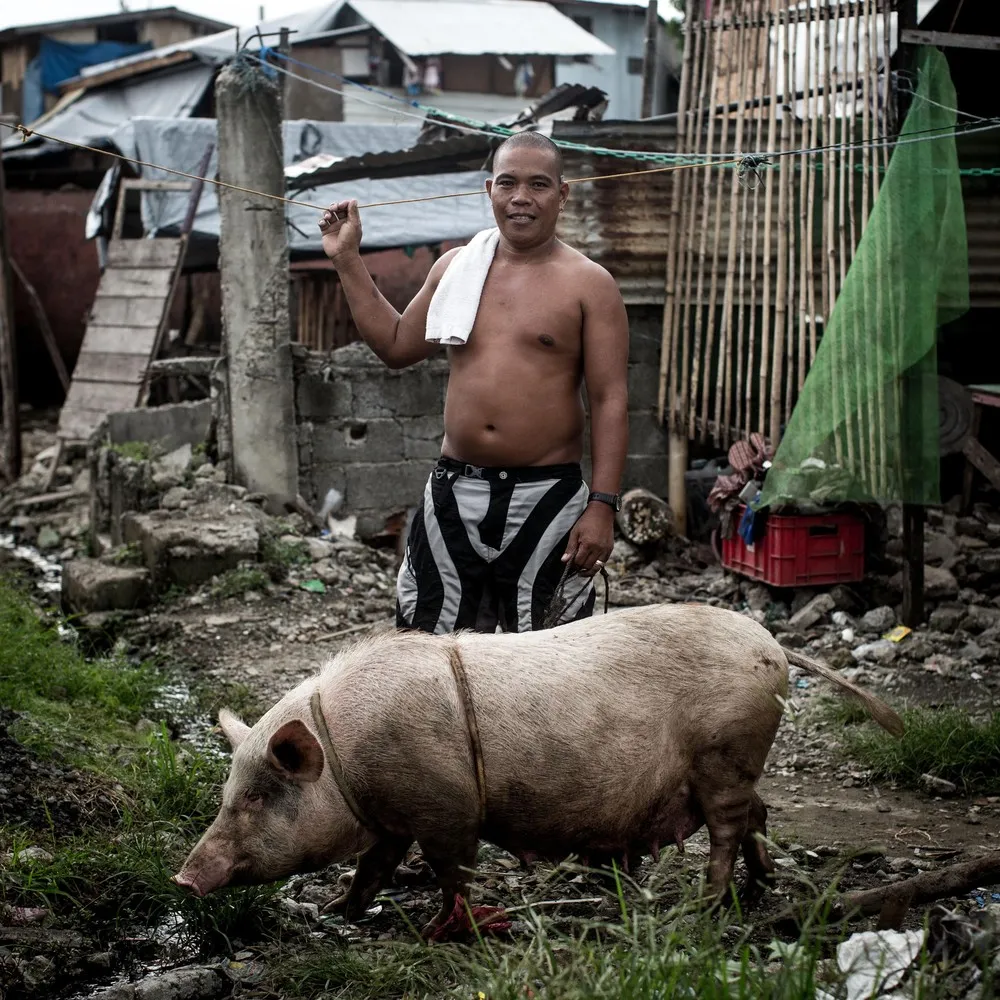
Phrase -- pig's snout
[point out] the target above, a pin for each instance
(204, 875)
(186, 881)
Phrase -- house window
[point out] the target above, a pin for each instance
(635, 65)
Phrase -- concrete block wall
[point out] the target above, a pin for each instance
(374, 434)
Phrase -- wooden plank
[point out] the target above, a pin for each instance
(128, 282)
(143, 253)
(11, 418)
(142, 185)
(950, 40)
(44, 327)
(119, 340)
(126, 313)
(103, 396)
(107, 367)
(129, 70)
(982, 460)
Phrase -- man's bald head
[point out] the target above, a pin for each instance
(530, 140)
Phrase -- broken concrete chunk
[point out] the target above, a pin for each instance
(89, 585)
(879, 619)
(883, 651)
(190, 551)
(317, 548)
(938, 786)
(809, 615)
(947, 619)
(939, 583)
(175, 498)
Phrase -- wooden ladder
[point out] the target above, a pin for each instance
(128, 320)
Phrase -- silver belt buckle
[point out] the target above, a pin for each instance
(475, 471)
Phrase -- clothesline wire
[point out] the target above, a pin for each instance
(485, 128)
(744, 161)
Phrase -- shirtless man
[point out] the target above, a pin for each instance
(506, 513)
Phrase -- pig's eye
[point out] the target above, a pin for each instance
(254, 798)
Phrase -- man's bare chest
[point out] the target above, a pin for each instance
(534, 311)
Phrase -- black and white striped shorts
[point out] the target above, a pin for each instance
(486, 547)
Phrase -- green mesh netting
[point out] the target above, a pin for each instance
(866, 425)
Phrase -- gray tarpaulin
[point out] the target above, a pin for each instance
(103, 115)
(181, 143)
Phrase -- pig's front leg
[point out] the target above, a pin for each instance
(454, 875)
(375, 868)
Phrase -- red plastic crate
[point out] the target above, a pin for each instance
(801, 550)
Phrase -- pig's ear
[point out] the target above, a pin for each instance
(236, 730)
(295, 753)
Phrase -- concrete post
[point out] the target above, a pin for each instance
(253, 265)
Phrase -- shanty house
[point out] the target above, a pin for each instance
(36, 58)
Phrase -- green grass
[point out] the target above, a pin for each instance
(113, 880)
(137, 451)
(66, 697)
(649, 952)
(128, 555)
(238, 581)
(279, 557)
(947, 743)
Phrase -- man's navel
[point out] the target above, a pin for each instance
(547, 340)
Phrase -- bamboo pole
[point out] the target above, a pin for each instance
(763, 51)
(678, 444)
(724, 369)
(765, 332)
(754, 40)
(693, 143)
(870, 315)
(791, 47)
(805, 208)
(707, 176)
(811, 143)
(668, 370)
(874, 130)
(831, 160)
(781, 282)
(857, 351)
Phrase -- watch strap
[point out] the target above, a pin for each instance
(613, 500)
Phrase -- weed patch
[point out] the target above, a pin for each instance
(947, 743)
(240, 580)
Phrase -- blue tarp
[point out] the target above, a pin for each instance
(64, 60)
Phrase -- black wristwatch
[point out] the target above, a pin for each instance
(613, 500)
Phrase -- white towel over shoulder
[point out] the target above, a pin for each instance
(455, 302)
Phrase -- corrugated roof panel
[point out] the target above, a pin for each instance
(478, 27)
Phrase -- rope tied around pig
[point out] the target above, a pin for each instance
(559, 604)
(471, 728)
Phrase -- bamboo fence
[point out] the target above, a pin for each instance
(757, 254)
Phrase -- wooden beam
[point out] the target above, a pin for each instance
(8, 356)
(950, 40)
(124, 72)
(43, 325)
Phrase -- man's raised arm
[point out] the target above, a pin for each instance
(398, 340)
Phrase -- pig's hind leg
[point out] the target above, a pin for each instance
(725, 796)
(760, 867)
(375, 868)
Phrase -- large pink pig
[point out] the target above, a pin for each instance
(607, 736)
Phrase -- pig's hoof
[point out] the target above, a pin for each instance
(337, 905)
(485, 919)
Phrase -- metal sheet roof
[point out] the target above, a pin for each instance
(478, 27)
(665, 9)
